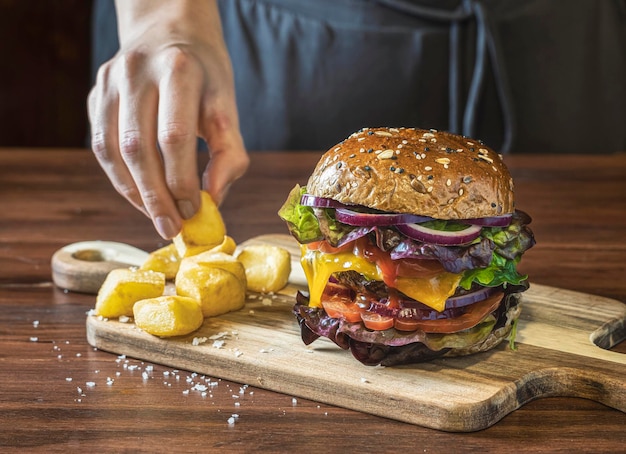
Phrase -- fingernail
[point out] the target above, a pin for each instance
(166, 227)
(186, 208)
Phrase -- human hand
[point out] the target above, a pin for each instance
(170, 83)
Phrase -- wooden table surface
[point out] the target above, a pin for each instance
(59, 394)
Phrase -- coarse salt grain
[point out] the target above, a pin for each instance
(218, 343)
(198, 340)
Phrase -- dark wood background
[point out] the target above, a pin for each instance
(44, 72)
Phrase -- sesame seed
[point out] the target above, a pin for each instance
(338, 148)
(362, 150)
(424, 154)
(427, 168)
(428, 135)
(422, 140)
(352, 155)
(360, 139)
(383, 133)
(394, 129)
(483, 150)
(494, 168)
(450, 201)
(459, 150)
(442, 161)
(430, 189)
(399, 146)
(405, 142)
(398, 151)
(448, 182)
(433, 140)
(399, 170)
(461, 191)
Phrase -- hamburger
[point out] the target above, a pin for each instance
(410, 242)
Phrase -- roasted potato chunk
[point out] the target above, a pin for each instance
(216, 288)
(267, 267)
(164, 260)
(204, 231)
(212, 259)
(123, 287)
(228, 246)
(168, 316)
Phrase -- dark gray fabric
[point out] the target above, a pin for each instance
(525, 76)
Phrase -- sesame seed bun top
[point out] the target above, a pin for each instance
(418, 171)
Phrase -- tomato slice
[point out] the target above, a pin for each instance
(472, 316)
(375, 321)
(336, 308)
(326, 247)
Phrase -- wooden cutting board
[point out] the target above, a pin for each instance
(560, 338)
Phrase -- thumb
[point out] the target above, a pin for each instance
(228, 162)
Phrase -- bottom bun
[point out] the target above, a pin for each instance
(391, 347)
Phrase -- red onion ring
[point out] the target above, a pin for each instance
(356, 218)
(494, 221)
(440, 237)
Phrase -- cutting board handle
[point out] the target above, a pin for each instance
(82, 267)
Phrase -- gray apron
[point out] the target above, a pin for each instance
(523, 76)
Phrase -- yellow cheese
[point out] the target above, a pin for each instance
(319, 266)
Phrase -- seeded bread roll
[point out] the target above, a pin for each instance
(418, 171)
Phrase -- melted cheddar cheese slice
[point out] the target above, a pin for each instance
(319, 266)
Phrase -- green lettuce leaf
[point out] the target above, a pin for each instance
(301, 220)
(501, 271)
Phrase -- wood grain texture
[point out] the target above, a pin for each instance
(53, 197)
(263, 348)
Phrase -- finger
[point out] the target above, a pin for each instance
(103, 105)
(180, 91)
(229, 159)
(138, 148)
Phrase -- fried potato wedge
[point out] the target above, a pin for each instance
(168, 316)
(123, 287)
(204, 231)
(267, 267)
